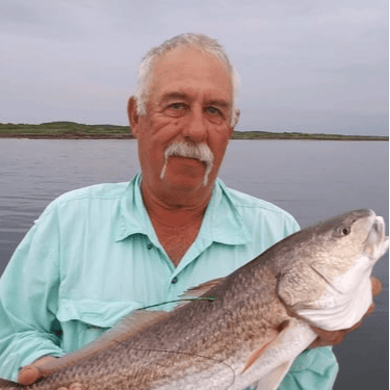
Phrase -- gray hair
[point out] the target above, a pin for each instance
(203, 42)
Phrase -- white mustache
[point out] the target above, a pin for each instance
(200, 152)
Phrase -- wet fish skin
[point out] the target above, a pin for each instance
(256, 324)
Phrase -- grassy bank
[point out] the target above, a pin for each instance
(72, 130)
(306, 136)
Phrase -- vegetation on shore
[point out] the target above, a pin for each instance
(64, 130)
(72, 130)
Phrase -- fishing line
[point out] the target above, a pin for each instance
(211, 299)
(179, 300)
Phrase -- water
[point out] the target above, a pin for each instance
(313, 180)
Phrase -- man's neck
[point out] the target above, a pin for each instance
(176, 219)
(171, 205)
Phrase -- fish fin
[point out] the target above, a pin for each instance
(135, 323)
(273, 379)
(255, 355)
(290, 339)
(201, 289)
(130, 325)
(4, 384)
(258, 352)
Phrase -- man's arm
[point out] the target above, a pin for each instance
(28, 299)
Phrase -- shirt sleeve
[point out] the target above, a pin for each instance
(28, 299)
(290, 226)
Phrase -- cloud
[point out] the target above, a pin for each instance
(313, 58)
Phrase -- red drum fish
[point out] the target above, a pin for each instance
(242, 329)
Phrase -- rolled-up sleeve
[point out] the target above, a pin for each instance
(313, 369)
(28, 298)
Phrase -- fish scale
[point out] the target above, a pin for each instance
(252, 326)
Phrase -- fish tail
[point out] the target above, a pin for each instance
(10, 385)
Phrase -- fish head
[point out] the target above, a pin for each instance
(327, 282)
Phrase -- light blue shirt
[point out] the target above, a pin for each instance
(93, 257)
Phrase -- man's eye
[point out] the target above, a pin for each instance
(212, 110)
(176, 106)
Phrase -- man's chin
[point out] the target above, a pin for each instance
(183, 183)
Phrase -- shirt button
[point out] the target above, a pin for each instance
(174, 280)
(149, 246)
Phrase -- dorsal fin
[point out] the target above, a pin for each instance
(130, 325)
(198, 291)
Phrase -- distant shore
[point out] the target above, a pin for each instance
(72, 130)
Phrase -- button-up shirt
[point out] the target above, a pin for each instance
(93, 257)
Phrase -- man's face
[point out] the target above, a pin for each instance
(190, 100)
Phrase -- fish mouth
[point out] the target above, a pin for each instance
(348, 294)
(376, 243)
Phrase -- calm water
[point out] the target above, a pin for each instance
(313, 180)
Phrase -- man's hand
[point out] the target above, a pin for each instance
(30, 374)
(333, 338)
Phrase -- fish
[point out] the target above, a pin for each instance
(243, 329)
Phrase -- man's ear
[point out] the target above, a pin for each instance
(236, 116)
(237, 113)
(133, 115)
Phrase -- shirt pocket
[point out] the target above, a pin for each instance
(83, 321)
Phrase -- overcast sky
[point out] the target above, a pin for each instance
(311, 66)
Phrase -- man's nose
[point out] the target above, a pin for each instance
(196, 127)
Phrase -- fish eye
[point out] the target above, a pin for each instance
(342, 231)
(345, 231)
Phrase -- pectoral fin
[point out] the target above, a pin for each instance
(256, 355)
(272, 360)
(273, 379)
(259, 351)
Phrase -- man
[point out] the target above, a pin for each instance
(98, 253)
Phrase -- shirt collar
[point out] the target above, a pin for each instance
(133, 217)
(222, 222)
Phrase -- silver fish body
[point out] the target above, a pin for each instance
(248, 327)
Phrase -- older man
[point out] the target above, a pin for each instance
(98, 253)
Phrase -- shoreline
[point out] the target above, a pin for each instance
(73, 130)
(65, 136)
(276, 137)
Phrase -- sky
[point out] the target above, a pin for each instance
(305, 66)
